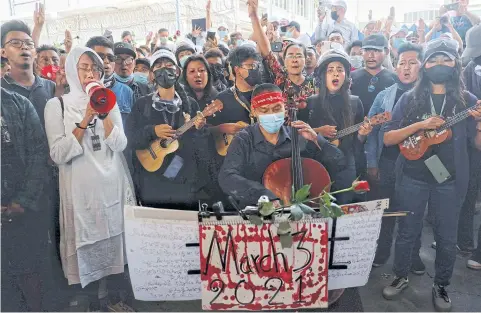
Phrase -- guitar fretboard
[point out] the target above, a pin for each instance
(456, 119)
(179, 132)
(347, 131)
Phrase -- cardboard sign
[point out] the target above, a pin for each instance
(244, 267)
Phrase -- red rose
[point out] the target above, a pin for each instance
(360, 186)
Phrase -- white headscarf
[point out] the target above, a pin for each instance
(77, 96)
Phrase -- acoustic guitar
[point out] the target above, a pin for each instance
(414, 147)
(223, 140)
(373, 121)
(153, 157)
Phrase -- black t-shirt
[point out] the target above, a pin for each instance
(392, 152)
(367, 86)
(417, 169)
(233, 111)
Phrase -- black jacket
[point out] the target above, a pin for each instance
(28, 137)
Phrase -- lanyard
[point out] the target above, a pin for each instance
(234, 91)
(433, 109)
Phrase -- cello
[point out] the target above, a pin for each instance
(288, 175)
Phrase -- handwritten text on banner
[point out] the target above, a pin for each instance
(244, 267)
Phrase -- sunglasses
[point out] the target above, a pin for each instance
(109, 57)
(372, 84)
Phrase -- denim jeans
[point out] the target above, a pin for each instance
(414, 195)
(466, 217)
(385, 189)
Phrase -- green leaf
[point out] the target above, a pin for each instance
(296, 213)
(256, 220)
(286, 241)
(324, 211)
(267, 208)
(336, 210)
(333, 199)
(306, 209)
(284, 228)
(302, 193)
(326, 199)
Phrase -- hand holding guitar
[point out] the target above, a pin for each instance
(327, 131)
(365, 128)
(164, 131)
(432, 123)
(476, 113)
(199, 123)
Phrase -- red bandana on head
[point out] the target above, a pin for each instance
(266, 99)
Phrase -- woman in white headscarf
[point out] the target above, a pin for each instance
(92, 176)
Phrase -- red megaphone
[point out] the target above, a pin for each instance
(102, 99)
(50, 72)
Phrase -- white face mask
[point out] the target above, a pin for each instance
(356, 61)
(477, 70)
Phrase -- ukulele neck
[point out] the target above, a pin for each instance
(179, 132)
(347, 131)
(456, 119)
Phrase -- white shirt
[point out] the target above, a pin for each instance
(304, 39)
(348, 30)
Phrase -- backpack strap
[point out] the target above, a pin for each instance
(62, 105)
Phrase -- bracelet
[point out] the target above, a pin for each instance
(78, 126)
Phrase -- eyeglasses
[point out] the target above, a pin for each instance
(294, 56)
(17, 43)
(253, 66)
(372, 83)
(94, 69)
(126, 61)
(109, 57)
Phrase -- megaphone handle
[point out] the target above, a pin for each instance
(103, 116)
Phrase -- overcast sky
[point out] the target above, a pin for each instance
(380, 7)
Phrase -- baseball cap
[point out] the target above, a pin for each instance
(376, 42)
(143, 61)
(124, 48)
(162, 53)
(291, 24)
(339, 3)
(473, 43)
(448, 47)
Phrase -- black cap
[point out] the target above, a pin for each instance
(473, 42)
(291, 24)
(447, 47)
(144, 61)
(126, 33)
(124, 48)
(376, 42)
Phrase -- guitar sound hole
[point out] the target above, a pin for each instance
(163, 144)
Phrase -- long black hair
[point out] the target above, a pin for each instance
(455, 96)
(209, 89)
(324, 105)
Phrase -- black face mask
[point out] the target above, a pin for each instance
(334, 15)
(254, 78)
(165, 77)
(217, 71)
(439, 74)
(477, 60)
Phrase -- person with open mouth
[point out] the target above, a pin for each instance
(335, 109)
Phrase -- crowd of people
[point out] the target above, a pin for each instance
(201, 117)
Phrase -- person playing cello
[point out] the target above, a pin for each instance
(257, 146)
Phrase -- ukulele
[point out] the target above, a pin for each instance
(414, 147)
(373, 121)
(223, 140)
(153, 157)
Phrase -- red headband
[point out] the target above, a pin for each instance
(266, 99)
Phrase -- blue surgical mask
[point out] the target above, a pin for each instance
(183, 60)
(289, 34)
(124, 80)
(272, 122)
(223, 34)
(141, 78)
(397, 42)
(239, 42)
